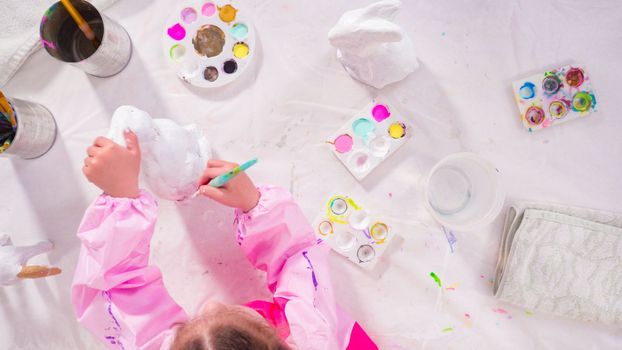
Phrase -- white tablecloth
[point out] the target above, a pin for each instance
(283, 110)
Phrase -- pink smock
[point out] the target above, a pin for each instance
(122, 299)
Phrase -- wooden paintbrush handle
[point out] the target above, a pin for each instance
(36, 271)
(80, 21)
(88, 32)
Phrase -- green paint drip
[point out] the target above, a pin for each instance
(448, 329)
(436, 279)
(528, 313)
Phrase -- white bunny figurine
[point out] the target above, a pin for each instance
(172, 157)
(13, 261)
(372, 48)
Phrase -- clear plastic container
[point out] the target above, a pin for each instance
(463, 192)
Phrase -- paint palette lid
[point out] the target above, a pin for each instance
(208, 43)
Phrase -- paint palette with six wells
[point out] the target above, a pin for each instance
(369, 138)
(208, 43)
(352, 231)
(554, 97)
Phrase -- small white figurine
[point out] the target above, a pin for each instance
(13, 261)
(372, 48)
(172, 157)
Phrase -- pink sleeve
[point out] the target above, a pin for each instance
(277, 238)
(273, 231)
(116, 294)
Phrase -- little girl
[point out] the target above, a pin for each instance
(121, 299)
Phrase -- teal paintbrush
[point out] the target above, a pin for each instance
(221, 180)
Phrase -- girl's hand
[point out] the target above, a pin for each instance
(114, 168)
(239, 192)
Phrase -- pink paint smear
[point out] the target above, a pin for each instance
(453, 286)
(48, 44)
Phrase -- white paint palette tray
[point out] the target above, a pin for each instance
(208, 43)
(369, 138)
(352, 231)
(554, 97)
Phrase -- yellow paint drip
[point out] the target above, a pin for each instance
(397, 130)
(227, 13)
(240, 50)
(453, 286)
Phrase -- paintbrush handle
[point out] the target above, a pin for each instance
(7, 109)
(77, 17)
(221, 180)
(36, 271)
(6, 130)
(4, 145)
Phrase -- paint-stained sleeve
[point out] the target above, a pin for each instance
(277, 238)
(116, 294)
(273, 231)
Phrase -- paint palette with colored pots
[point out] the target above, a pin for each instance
(554, 97)
(352, 231)
(369, 138)
(208, 43)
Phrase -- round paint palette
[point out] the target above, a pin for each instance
(208, 43)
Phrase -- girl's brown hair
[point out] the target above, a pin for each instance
(240, 335)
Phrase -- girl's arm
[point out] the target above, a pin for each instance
(277, 238)
(116, 294)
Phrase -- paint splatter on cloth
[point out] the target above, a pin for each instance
(115, 330)
(451, 238)
(313, 278)
(436, 279)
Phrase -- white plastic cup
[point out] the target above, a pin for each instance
(35, 133)
(463, 192)
(62, 39)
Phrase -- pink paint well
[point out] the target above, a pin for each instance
(208, 9)
(177, 32)
(343, 143)
(380, 112)
(188, 15)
